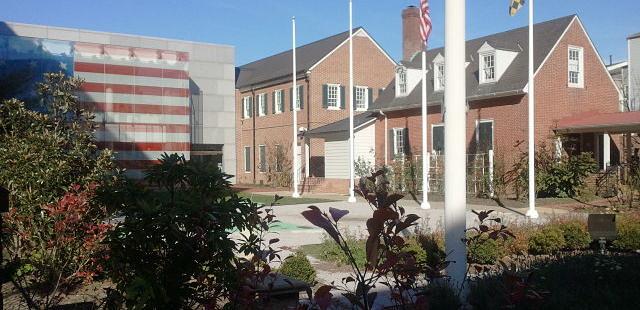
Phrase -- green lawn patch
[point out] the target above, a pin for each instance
(268, 199)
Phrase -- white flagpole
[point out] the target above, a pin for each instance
(352, 197)
(531, 213)
(425, 155)
(455, 199)
(294, 111)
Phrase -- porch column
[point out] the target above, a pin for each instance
(606, 150)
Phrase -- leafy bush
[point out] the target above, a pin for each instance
(298, 267)
(442, 297)
(432, 246)
(173, 250)
(576, 236)
(519, 245)
(628, 234)
(555, 176)
(485, 251)
(50, 163)
(548, 240)
(333, 253)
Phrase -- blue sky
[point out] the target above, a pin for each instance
(259, 28)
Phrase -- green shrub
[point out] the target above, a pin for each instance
(298, 267)
(432, 245)
(442, 296)
(413, 246)
(576, 236)
(484, 251)
(628, 234)
(548, 240)
(330, 251)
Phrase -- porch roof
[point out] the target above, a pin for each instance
(359, 120)
(612, 123)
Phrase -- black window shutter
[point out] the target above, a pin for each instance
(266, 104)
(370, 95)
(291, 98)
(407, 147)
(301, 97)
(343, 95)
(243, 102)
(391, 145)
(354, 98)
(250, 107)
(325, 96)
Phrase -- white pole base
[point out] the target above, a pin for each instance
(425, 205)
(295, 195)
(532, 214)
(352, 199)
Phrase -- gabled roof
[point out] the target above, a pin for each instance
(512, 82)
(343, 124)
(279, 66)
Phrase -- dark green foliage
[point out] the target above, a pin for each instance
(43, 153)
(298, 267)
(173, 249)
(628, 233)
(442, 297)
(485, 251)
(548, 240)
(555, 176)
(576, 236)
(432, 246)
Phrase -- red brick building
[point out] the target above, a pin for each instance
(264, 102)
(571, 80)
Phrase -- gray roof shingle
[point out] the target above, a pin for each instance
(512, 82)
(280, 65)
(343, 124)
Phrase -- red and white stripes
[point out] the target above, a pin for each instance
(140, 98)
(425, 21)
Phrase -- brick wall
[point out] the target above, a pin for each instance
(554, 100)
(371, 68)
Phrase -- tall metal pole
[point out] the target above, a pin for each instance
(455, 199)
(352, 197)
(532, 213)
(294, 144)
(425, 155)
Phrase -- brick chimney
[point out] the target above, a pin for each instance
(411, 39)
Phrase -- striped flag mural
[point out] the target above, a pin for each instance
(140, 98)
(425, 21)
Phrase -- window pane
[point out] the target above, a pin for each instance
(485, 137)
(332, 98)
(438, 139)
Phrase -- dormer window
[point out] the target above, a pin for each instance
(438, 78)
(401, 81)
(487, 68)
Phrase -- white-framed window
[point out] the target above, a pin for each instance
(361, 98)
(278, 97)
(262, 104)
(333, 96)
(484, 136)
(437, 138)
(246, 107)
(487, 68)
(438, 79)
(262, 158)
(576, 70)
(401, 81)
(399, 141)
(298, 97)
(247, 159)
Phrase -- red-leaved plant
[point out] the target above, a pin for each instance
(388, 262)
(60, 248)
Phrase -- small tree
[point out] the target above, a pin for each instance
(51, 165)
(279, 164)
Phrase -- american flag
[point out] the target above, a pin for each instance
(140, 98)
(425, 21)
